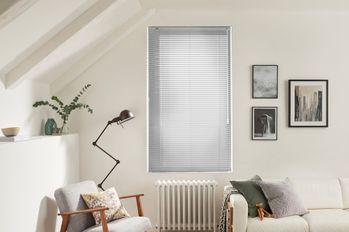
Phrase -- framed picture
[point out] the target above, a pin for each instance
(308, 103)
(264, 81)
(264, 123)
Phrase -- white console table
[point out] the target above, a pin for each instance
(30, 171)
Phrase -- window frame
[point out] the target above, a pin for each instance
(230, 102)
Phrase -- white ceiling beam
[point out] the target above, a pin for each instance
(20, 38)
(15, 10)
(2, 81)
(99, 51)
(17, 74)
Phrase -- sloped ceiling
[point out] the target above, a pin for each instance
(55, 46)
(52, 48)
(275, 5)
(33, 28)
(82, 42)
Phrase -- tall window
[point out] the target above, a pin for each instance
(189, 99)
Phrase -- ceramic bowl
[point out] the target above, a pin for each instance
(10, 131)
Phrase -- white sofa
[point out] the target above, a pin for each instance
(326, 199)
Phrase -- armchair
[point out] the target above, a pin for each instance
(76, 217)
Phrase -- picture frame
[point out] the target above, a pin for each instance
(264, 123)
(308, 103)
(265, 81)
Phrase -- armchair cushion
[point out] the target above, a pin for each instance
(110, 199)
(68, 199)
(128, 224)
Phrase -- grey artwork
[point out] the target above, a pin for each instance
(264, 123)
(265, 81)
(308, 103)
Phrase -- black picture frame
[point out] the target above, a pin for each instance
(259, 130)
(260, 72)
(313, 114)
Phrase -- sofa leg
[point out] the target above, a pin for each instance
(230, 212)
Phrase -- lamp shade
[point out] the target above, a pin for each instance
(124, 116)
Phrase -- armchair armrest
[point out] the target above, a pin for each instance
(237, 213)
(83, 211)
(138, 202)
(130, 196)
(66, 217)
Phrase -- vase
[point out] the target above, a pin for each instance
(65, 129)
(61, 130)
(50, 126)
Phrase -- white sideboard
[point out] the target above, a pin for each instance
(30, 171)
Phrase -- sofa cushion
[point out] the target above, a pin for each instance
(319, 193)
(253, 194)
(130, 224)
(328, 220)
(345, 191)
(286, 224)
(282, 198)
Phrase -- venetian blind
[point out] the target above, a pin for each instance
(189, 99)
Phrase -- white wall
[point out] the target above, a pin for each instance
(304, 45)
(16, 107)
(30, 171)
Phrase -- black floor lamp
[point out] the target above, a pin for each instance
(124, 116)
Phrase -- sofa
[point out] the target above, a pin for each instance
(326, 199)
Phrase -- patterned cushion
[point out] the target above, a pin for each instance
(109, 198)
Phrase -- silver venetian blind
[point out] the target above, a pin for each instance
(189, 99)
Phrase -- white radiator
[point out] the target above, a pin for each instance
(186, 205)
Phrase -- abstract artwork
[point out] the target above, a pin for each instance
(264, 123)
(264, 81)
(308, 103)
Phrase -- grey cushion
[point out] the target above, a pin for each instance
(129, 224)
(252, 193)
(68, 199)
(282, 198)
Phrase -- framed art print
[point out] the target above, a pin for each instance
(308, 103)
(264, 81)
(264, 123)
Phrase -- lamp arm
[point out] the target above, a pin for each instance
(106, 126)
(100, 185)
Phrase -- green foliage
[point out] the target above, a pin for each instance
(63, 110)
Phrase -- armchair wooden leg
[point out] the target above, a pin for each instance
(139, 206)
(65, 223)
(104, 221)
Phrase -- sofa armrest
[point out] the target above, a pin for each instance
(237, 213)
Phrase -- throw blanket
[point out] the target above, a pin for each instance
(222, 227)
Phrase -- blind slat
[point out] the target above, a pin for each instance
(189, 99)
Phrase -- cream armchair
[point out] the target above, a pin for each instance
(78, 218)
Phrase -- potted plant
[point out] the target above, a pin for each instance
(64, 110)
